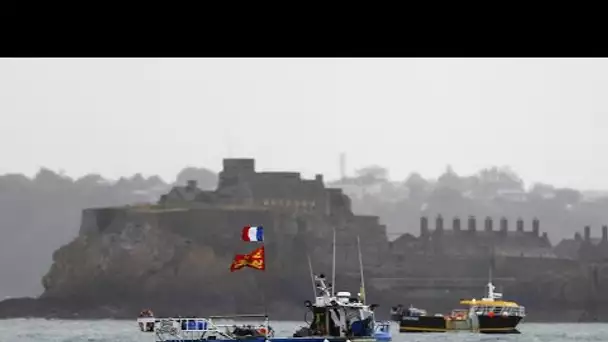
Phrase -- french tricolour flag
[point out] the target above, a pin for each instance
(253, 234)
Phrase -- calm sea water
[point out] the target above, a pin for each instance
(40, 330)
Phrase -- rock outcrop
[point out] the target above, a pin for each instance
(176, 260)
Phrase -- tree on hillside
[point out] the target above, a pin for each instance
(417, 185)
(48, 179)
(90, 180)
(492, 181)
(542, 189)
(372, 174)
(502, 178)
(449, 179)
(568, 196)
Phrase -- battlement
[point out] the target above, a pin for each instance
(284, 175)
(488, 223)
(587, 235)
(584, 246)
(238, 165)
(470, 240)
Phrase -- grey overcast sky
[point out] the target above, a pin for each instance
(546, 118)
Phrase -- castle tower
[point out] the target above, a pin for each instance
(439, 223)
(520, 225)
(424, 226)
(488, 224)
(536, 227)
(456, 224)
(504, 225)
(235, 171)
(472, 224)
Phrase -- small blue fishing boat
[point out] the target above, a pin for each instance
(382, 331)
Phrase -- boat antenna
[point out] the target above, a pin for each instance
(361, 270)
(492, 261)
(490, 274)
(312, 276)
(491, 266)
(333, 267)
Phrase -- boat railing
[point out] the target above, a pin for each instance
(197, 328)
(383, 326)
(500, 310)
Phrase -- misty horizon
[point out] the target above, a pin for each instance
(527, 186)
(117, 117)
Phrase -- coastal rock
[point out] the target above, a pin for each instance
(136, 258)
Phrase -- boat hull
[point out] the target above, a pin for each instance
(422, 324)
(486, 325)
(396, 317)
(499, 324)
(383, 337)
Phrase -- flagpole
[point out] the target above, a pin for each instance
(333, 268)
(263, 287)
(361, 270)
(312, 277)
(259, 237)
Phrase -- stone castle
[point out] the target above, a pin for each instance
(286, 193)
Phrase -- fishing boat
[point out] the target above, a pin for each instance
(190, 329)
(488, 315)
(382, 331)
(339, 316)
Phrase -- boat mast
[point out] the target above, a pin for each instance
(361, 270)
(333, 268)
(492, 262)
(491, 295)
(312, 277)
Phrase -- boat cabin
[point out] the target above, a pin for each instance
(415, 312)
(493, 305)
(495, 308)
